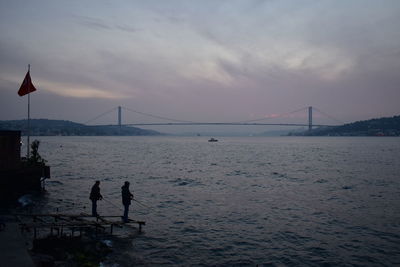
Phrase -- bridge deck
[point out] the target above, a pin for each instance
(217, 124)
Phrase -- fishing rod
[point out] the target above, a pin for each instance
(132, 199)
(112, 203)
(142, 204)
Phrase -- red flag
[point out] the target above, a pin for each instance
(26, 86)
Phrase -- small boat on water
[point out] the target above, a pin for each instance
(212, 140)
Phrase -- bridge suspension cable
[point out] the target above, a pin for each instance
(327, 115)
(102, 114)
(244, 122)
(155, 116)
(279, 116)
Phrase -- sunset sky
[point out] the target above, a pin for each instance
(218, 60)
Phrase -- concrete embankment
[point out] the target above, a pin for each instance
(13, 249)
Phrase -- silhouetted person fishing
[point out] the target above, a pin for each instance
(127, 196)
(94, 196)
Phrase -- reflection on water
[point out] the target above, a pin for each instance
(239, 201)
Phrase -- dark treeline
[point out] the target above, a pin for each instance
(40, 127)
(375, 127)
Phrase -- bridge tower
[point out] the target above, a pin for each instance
(309, 118)
(119, 117)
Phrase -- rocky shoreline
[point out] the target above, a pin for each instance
(69, 251)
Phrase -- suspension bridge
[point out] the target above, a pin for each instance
(253, 122)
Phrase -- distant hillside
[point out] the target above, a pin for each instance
(61, 127)
(376, 127)
(281, 132)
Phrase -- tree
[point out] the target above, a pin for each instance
(35, 157)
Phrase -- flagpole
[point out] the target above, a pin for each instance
(29, 119)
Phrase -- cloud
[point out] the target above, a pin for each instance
(284, 51)
(93, 23)
(75, 90)
(210, 66)
(101, 24)
(79, 91)
(253, 57)
(127, 28)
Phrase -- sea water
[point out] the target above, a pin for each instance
(239, 201)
